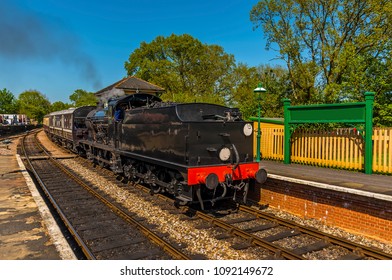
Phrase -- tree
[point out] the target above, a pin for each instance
(81, 97)
(188, 70)
(34, 104)
(273, 78)
(379, 77)
(245, 79)
(59, 105)
(326, 44)
(8, 104)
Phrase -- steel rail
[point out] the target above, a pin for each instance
(354, 247)
(279, 251)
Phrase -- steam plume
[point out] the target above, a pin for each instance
(29, 35)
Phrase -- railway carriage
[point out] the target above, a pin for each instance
(67, 127)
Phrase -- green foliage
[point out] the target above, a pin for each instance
(34, 104)
(8, 103)
(59, 105)
(193, 72)
(188, 70)
(81, 97)
(275, 81)
(245, 79)
(383, 114)
(328, 46)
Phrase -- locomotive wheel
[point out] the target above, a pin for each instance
(150, 179)
(161, 176)
(100, 157)
(100, 162)
(127, 170)
(89, 155)
(138, 169)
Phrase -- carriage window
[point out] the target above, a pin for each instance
(58, 121)
(67, 121)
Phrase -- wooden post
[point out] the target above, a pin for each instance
(287, 133)
(369, 100)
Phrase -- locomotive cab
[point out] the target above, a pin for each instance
(119, 108)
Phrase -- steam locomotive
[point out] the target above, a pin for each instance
(197, 152)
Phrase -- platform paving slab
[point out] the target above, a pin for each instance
(27, 230)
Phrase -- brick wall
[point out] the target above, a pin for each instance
(358, 214)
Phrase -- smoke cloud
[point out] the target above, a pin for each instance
(29, 35)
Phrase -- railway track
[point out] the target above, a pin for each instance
(102, 230)
(251, 228)
(324, 240)
(286, 238)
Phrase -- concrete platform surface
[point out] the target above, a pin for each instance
(374, 185)
(27, 229)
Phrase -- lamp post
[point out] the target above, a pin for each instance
(259, 90)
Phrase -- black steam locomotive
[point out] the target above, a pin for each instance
(197, 152)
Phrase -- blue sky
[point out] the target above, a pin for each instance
(58, 46)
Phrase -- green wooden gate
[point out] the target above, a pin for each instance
(356, 113)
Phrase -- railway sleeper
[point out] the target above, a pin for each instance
(281, 235)
(357, 254)
(242, 245)
(316, 246)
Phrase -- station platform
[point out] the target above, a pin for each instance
(353, 201)
(27, 228)
(354, 182)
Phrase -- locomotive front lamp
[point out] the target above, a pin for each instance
(224, 154)
(248, 129)
(259, 90)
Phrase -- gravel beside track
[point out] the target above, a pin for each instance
(197, 241)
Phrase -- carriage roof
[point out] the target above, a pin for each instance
(70, 111)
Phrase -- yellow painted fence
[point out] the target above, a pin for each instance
(382, 150)
(340, 148)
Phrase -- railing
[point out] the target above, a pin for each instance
(340, 148)
(272, 140)
(382, 150)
